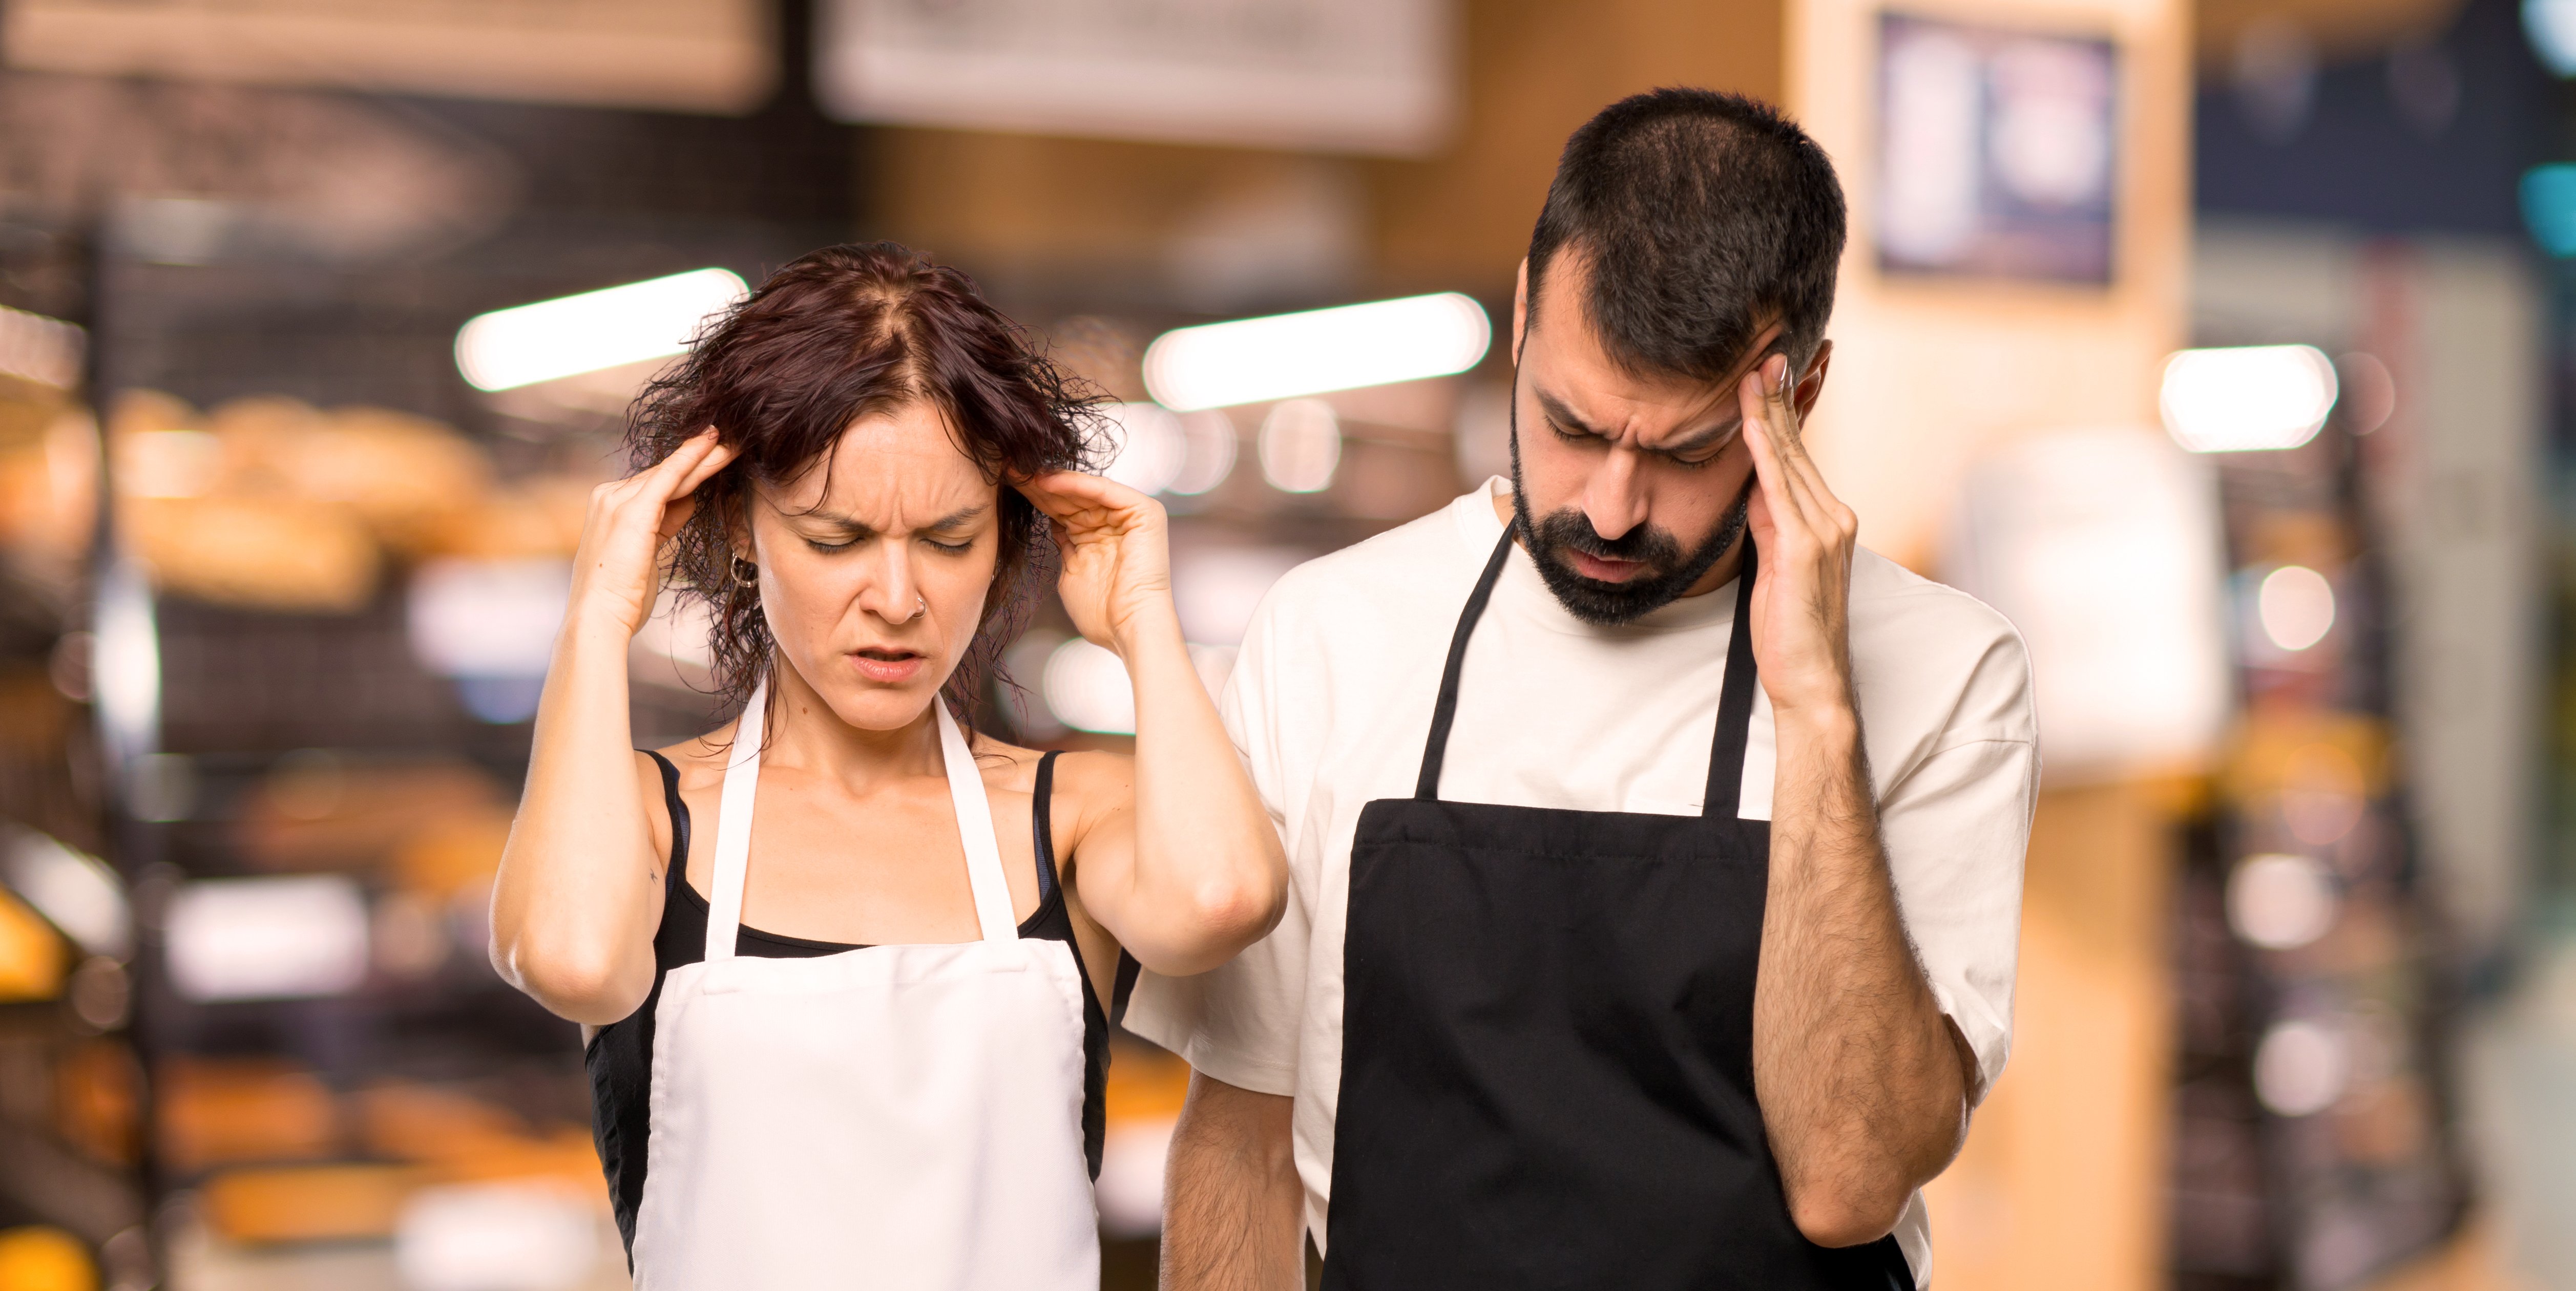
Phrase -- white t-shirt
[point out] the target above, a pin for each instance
(1330, 702)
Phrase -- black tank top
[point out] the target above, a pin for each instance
(620, 1056)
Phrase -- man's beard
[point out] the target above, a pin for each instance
(1666, 572)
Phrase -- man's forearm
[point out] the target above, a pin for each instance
(1232, 1205)
(1862, 1087)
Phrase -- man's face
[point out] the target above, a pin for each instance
(1630, 490)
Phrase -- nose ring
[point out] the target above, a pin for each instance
(921, 606)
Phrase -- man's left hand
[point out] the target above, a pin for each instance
(1805, 535)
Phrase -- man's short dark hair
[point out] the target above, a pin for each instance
(1701, 215)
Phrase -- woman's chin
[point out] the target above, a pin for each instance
(871, 706)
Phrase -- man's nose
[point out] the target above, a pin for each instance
(1613, 499)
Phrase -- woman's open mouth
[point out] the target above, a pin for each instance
(887, 665)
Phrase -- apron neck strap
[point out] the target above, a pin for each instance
(991, 891)
(975, 830)
(733, 826)
(1427, 788)
(1734, 703)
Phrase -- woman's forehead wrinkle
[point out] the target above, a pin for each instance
(893, 471)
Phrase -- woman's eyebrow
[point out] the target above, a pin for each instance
(954, 519)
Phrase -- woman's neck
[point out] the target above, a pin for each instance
(803, 732)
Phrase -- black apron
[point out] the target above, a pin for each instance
(1547, 1040)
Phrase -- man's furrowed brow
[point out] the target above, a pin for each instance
(1564, 417)
(1709, 436)
(1716, 432)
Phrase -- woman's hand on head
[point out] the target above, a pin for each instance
(1117, 579)
(614, 573)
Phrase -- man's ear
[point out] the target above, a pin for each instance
(1812, 383)
(1520, 310)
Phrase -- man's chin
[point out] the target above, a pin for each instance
(1602, 603)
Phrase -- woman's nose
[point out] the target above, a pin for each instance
(895, 595)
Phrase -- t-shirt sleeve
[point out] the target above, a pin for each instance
(1239, 1022)
(1955, 837)
(1956, 827)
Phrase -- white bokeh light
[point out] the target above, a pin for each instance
(2281, 901)
(267, 938)
(1209, 438)
(2551, 26)
(1149, 448)
(2296, 606)
(2302, 1067)
(1301, 446)
(2247, 398)
(1086, 687)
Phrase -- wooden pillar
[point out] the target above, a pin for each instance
(2063, 1179)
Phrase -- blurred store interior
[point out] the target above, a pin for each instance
(2225, 346)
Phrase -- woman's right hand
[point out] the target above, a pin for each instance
(613, 578)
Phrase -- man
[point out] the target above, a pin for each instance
(1650, 926)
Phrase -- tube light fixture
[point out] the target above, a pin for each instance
(44, 350)
(1256, 360)
(2247, 398)
(654, 319)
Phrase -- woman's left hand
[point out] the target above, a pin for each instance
(1117, 578)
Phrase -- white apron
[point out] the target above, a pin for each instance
(895, 1117)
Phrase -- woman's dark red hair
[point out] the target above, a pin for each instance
(835, 336)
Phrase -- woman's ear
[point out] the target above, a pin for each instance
(734, 514)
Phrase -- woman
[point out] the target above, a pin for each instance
(843, 960)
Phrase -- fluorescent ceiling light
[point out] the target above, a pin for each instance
(508, 348)
(40, 349)
(75, 891)
(2247, 398)
(1255, 360)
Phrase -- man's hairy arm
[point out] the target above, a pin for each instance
(1232, 1205)
(1863, 1083)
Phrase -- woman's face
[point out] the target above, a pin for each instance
(875, 563)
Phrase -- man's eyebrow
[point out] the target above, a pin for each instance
(1716, 432)
(1563, 416)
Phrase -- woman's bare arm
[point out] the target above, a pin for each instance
(1189, 871)
(580, 887)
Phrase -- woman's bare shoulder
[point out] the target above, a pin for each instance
(1088, 776)
(701, 759)
(1101, 780)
